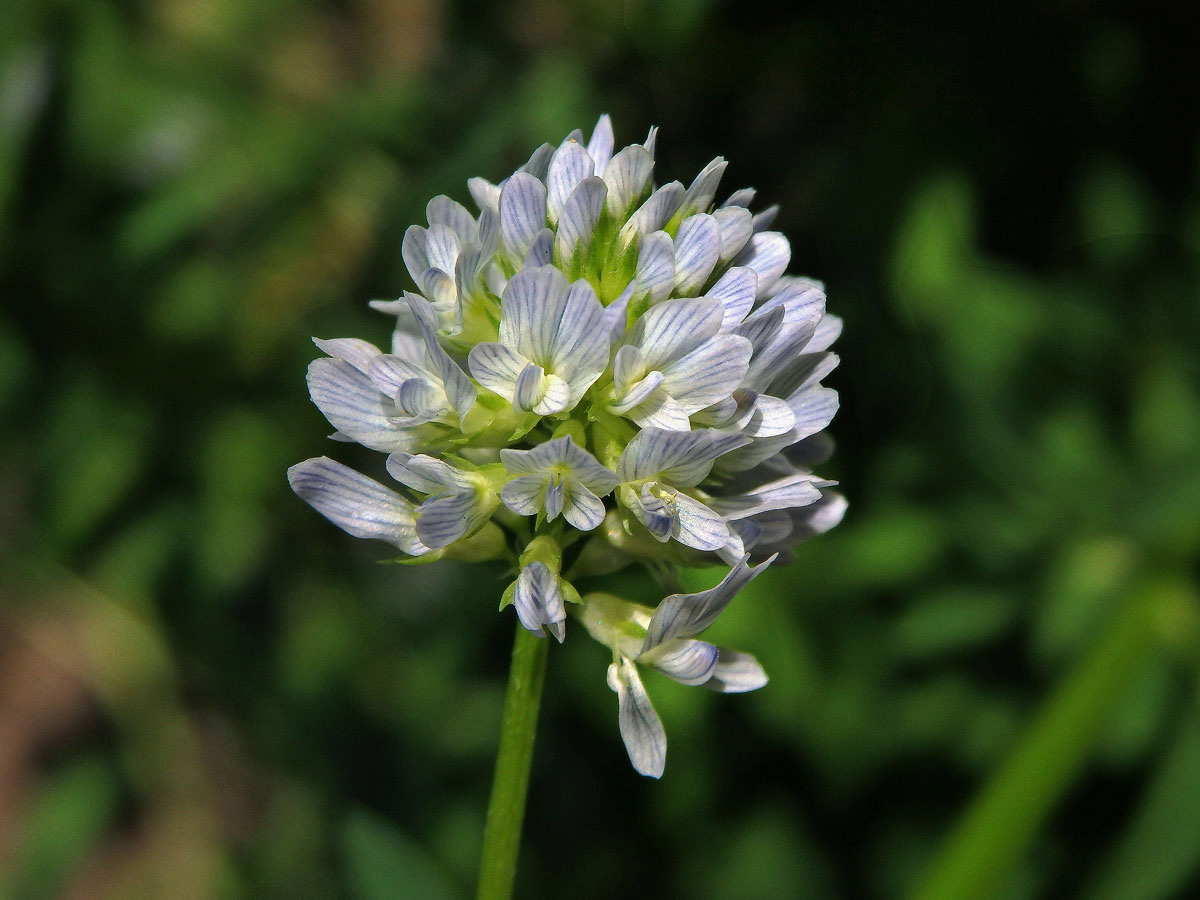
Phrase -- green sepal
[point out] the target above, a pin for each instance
(510, 594)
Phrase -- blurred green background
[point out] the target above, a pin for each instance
(984, 683)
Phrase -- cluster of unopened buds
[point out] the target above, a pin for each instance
(593, 372)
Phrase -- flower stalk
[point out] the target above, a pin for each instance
(506, 809)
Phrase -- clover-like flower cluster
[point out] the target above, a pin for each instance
(594, 371)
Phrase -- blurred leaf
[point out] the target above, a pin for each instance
(71, 811)
(383, 863)
(1160, 849)
(951, 620)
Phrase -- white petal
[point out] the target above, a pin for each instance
(354, 406)
(701, 192)
(696, 525)
(530, 311)
(674, 328)
(784, 493)
(768, 254)
(443, 519)
(760, 329)
(579, 353)
(640, 392)
(771, 417)
(736, 673)
(582, 508)
(686, 615)
(627, 177)
(541, 251)
(459, 390)
(496, 367)
(697, 248)
(414, 250)
(660, 410)
(656, 267)
(442, 245)
(569, 165)
(538, 600)
(827, 331)
(600, 144)
(654, 213)
(763, 220)
(388, 372)
(359, 354)
(579, 216)
(522, 213)
(485, 194)
(814, 409)
(523, 495)
(709, 373)
(356, 504)
(735, 289)
(425, 474)
(538, 162)
(641, 730)
(679, 458)
(736, 229)
(441, 210)
(687, 661)
(742, 197)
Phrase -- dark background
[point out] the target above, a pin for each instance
(984, 682)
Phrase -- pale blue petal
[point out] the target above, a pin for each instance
(771, 416)
(651, 140)
(827, 331)
(458, 389)
(660, 410)
(805, 371)
(357, 504)
(530, 311)
(736, 229)
(556, 396)
(359, 354)
(697, 246)
(570, 165)
(704, 188)
(441, 210)
(761, 328)
(629, 367)
(649, 510)
(414, 250)
(696, 525)
(523, 495)
(485, 194)
(641, 730)
(441, 291)
(541, 251)
(711, 372)
(538, 162)
(686, 615)
(580, 348)
(389, 372)
(768, 254)
(553, 501)
(522, 213)
(600, 144)
(742, 197)
(784, 493)
(736, 289)
(578, 218)
(736, 673)
(674, 328)
(654, 213)
(688, 662)
(582, 508)
(496, 367)
(656, 267)
(814, 409)
(442, 245)
(765, 219)
(530, 387)
(678, 458)
(444, 518)
(426, 474)
(627, 177)
(354, 405)
(489, 234)
(640, 392)
(538, 600)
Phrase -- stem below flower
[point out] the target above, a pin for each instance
(506, 809)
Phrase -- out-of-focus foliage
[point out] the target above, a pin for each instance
(984, 683)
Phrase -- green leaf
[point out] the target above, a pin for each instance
(384, 863)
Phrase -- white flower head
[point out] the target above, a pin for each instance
(593, 370)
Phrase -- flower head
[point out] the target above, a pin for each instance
(593, 371)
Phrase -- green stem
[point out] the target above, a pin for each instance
(506, 809)
(995, 832)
